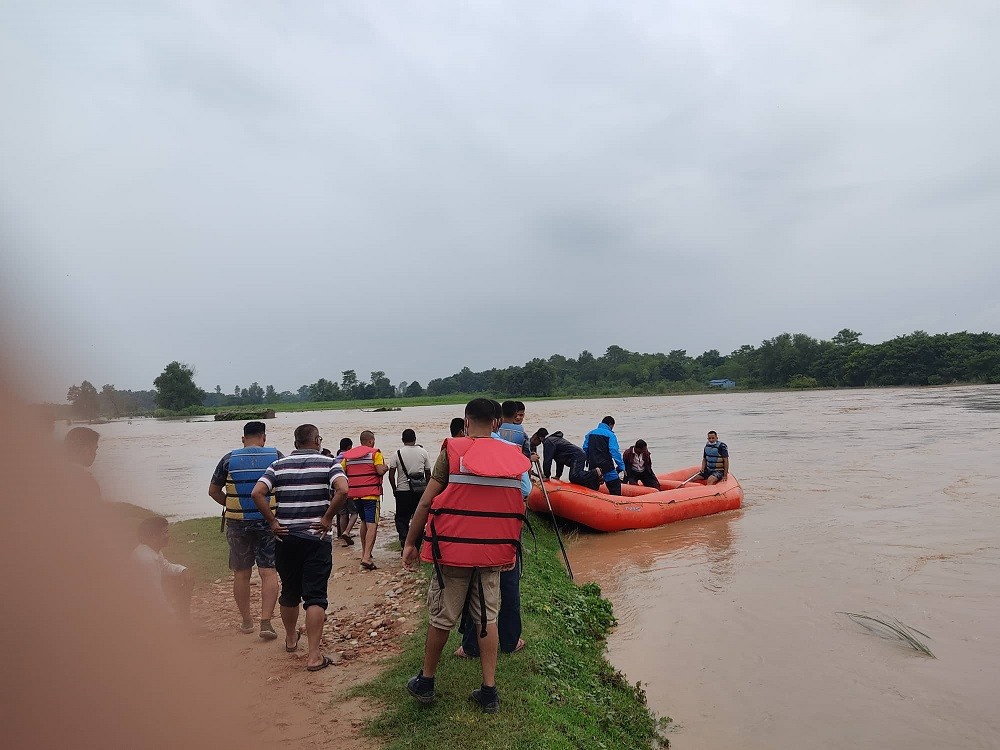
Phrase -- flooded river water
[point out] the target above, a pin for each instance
(876, 501)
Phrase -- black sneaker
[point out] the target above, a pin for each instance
(417, 688)
(489, 705)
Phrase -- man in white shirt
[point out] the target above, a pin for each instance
(409, 471)
(168, 582)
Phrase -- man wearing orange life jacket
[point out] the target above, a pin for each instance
(364, 466)
(470, 519)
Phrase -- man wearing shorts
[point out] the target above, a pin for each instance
(714, 460)
(364, 466)
(250, 538)
(302, 484)
(469, 550)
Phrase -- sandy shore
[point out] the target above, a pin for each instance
(369, 613)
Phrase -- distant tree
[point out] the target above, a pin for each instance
(175, 387)
(218, 390)
(847, 337)
(414, 389)
(381, 386)
(255, 394)
(304, 392)
(349, 383)
(271, 396)
(86, 403)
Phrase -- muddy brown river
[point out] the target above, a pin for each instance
(884, 502)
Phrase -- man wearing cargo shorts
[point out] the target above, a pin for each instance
(250, 538)
(494, 487)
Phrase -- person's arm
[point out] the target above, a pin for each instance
(548, 453)
(380, 465)
(724, 455)
(419, 520)
(392, 479)
(704, 462)
(616, 453)
(217, 493)
(525, 485)
(217, 485)
(339, 486)
(260, 493)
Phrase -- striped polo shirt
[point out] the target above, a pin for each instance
(302, 483)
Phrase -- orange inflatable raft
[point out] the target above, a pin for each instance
(639, 507)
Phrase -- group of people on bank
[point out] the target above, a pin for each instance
(463, 513)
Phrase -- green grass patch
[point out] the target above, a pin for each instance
(560, 692)
(198, 544)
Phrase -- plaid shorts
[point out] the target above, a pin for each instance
(250, 542)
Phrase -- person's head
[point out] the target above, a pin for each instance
(254, 433)
(519, 414)
(409, 436)
(540, 434)
(81, 445)
(346, 444)
(640, 446)
(326, 452)
(497, 414)
(457, 427)
(713, 436)
(307, 437)
(609, 421)
(480, 417)
(508, 410)
(368, 438)
(154, 532)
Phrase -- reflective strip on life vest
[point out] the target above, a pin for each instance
(484, 481)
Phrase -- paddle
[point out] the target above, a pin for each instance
(688, 479)
(555, 524)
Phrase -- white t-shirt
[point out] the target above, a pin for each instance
(415, 458)
(154, 568)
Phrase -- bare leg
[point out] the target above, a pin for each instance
(434, 645)
(711, 480)
(290, 619)
(488, 654)
(241, 592)
(350, 524)
(268, 592)
(368, 534)
(315, 617)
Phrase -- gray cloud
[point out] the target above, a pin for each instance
(413, 189)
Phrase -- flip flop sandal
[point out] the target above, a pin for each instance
(369, 566)
(293, 649)
(327, 661)
(348, 541)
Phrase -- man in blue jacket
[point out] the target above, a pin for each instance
(601, 447)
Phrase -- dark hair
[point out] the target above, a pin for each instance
(520, 405)
(367, 435)
(713, 432)
(305, 433)
(497, 409)
(80, 436)
(481, 411)
(409, 436)
(150, 526)
(541, 433)
(346, 444)
(254, 428)
(326, 452)
(508, 409)
(609, 421)
(457, 427)
(640, 445)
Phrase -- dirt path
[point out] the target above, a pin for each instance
(369, 611)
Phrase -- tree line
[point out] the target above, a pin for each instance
(786, 361)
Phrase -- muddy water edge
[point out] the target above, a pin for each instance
(878, 501)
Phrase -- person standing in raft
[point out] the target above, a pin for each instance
(714, 460)
(510, 428)
(302, 483)
(601, 447)
(565, 455)
(365, 466)
(639, 465)
(248, 534)
(475, 473)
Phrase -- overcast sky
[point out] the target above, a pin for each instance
(281, 191)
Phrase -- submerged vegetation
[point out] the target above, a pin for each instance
(890, 627)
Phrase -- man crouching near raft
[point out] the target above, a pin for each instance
(475, 474)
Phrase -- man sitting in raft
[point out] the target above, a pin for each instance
(714, 460)
(601, 447)
(639, 465)
(557, 448)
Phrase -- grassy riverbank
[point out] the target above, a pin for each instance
(560, 692)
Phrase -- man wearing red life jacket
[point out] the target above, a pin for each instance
(364, 466)
(470, 519)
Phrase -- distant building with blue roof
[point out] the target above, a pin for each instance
(722, 383)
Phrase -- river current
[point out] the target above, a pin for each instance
(884, 502)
